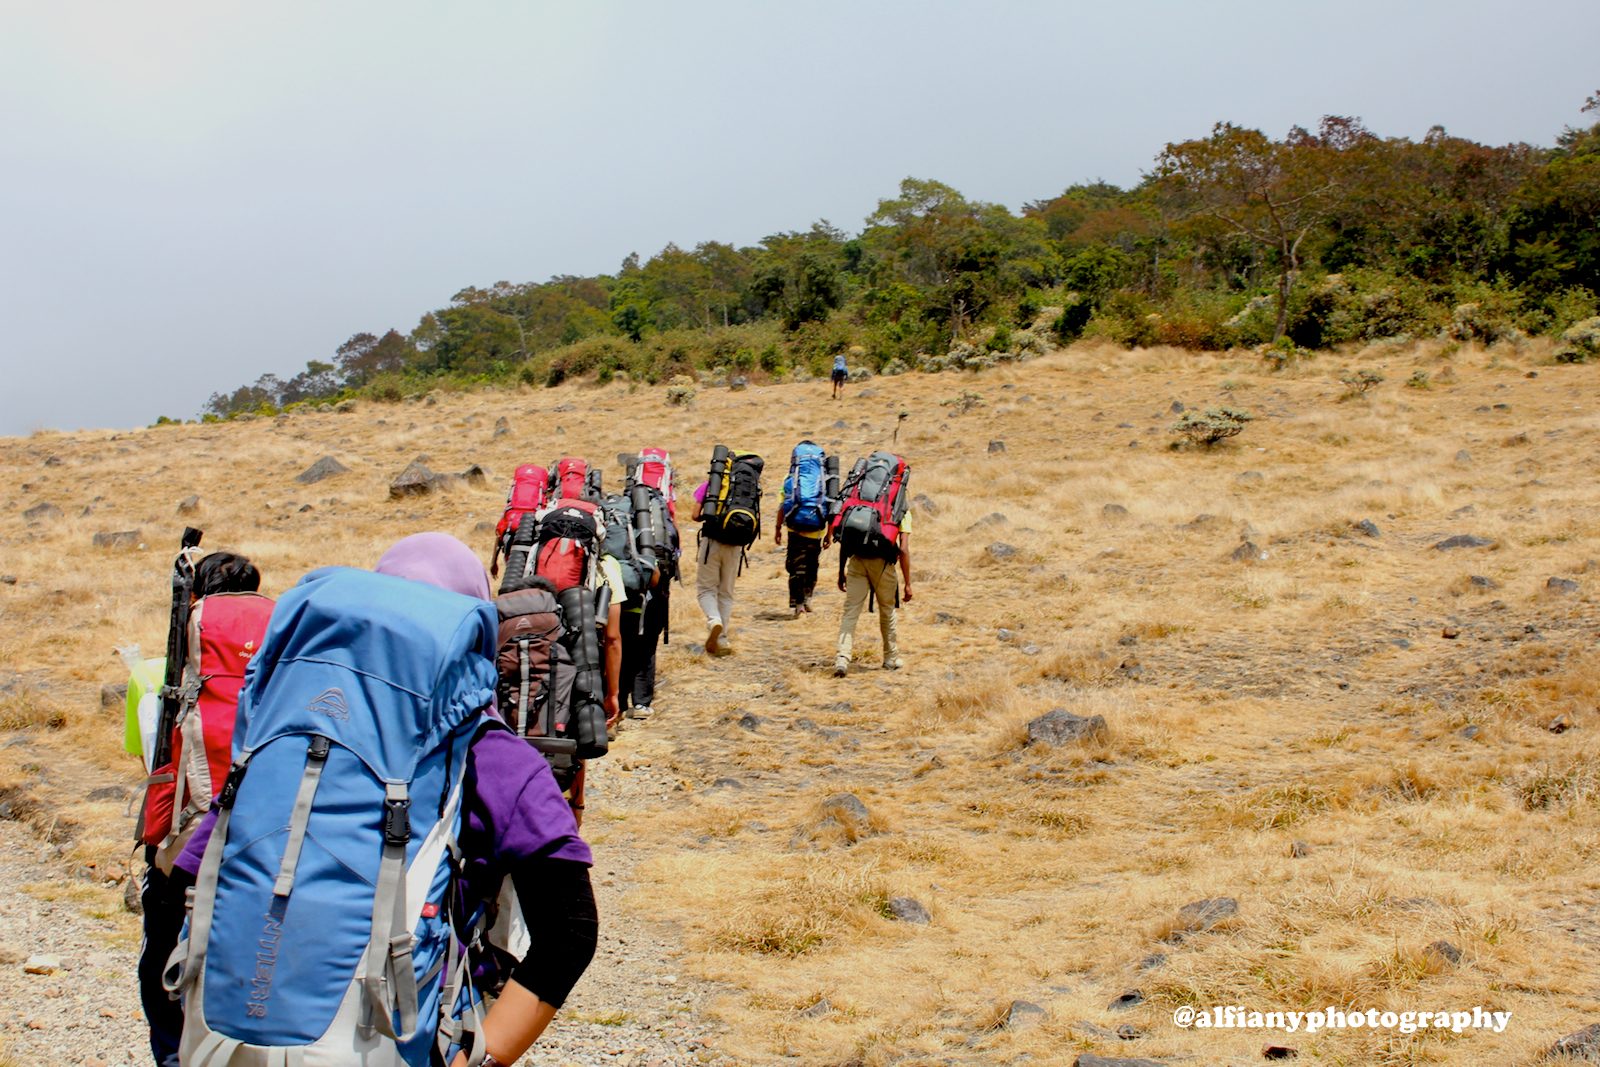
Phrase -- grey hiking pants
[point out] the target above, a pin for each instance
(713, 582)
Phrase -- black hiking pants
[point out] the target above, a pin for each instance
(801, 563)
(639, 642)
(163, 905)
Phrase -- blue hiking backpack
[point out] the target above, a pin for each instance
(321, 925)
(806, 507)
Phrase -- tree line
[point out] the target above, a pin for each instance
(1321, 237)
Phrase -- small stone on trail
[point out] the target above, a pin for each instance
(996, 446)
(1001, 550)
(326, 467)
(1450, 633)
(1249, 476)
(1152, 961)
(1114, 511)
(189, 505)
(117, 539)
(113, 696)
(1023, 1014)
(1463, 458)
(1582, 1046)
(1463, 541)
(8, 579)
(1130, 999)
(502, 426)
(1368, 527)
(924, 503)
(817, 1010)
(1299, 850)
(1198, 916)
(747, 721)
(1478, 581)
(476, 476)
(1559, 725)
(42, 512)
(1469, 732)
(1561, 586)
(1279, 1052)
(42, 965)
(1443, 950)
(1061, 727)
(908, 910)
(1247, 552)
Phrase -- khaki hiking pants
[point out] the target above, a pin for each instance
(882, 578)
(713, 582)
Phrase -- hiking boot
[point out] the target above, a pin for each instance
(798, 610)
(723, 649)
(893, 663)
(713, 637)
(806, 607)
(640, 711)
(841, 667)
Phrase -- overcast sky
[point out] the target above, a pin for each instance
(197, 192)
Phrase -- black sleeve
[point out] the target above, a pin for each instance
(558, 906)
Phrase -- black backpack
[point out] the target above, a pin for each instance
(732, 507)
(616, 511)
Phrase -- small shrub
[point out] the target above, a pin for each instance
(999, 340)
(680, 391)
(1213, 425)
(1580, 342)
(962, 404)
(1358, 382)
(1282, 352)
(1419, 380)
(1070, 324)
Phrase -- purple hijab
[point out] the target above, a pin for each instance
(438, 559)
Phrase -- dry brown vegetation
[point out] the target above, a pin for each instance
(1296, 732)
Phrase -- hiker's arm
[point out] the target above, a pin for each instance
(613, 641)
(557, 895)
(699, 511)
(777, 538)
(575, 794)
(905, 567)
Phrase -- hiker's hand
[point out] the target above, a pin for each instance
(777, 538)
(841, 585)
(905, 594)
(613, 709)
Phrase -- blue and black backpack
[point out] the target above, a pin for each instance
(321, 926)
(806, 507)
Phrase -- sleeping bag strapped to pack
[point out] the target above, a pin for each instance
(573, 479)
(653, 467)
(320, 932)
(537, 689)
(806, 508)
(225, 630)
(732, 508)
(636, 562)
(874, 505)
(560, 543)
(530, 491)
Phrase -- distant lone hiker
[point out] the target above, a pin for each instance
(841, 374)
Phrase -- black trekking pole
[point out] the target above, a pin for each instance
(177, 645)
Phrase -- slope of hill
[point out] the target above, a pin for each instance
(1369, 742)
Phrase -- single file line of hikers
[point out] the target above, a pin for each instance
(364, 803)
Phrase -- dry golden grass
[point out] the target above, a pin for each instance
(1297, 732)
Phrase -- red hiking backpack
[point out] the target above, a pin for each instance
(560, 544)
(225, 630)
(653, 467)
(530, 492)
(874, 505)
(573, 479)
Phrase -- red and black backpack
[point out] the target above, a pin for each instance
(560, 544)
(873, 507)
(530, 492)
(573, 479)
(225, 630)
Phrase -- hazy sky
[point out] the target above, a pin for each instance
(195, 193)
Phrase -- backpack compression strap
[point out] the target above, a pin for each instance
(386, 973)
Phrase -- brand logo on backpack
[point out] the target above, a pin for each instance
(266, 967)
(330, 702)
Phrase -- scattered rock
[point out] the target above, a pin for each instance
(8, 579)
(1131, 668)
(1023, 1015)
(1560, 724)
(1279, 1052)
(326, 467)
(1001, 550)
(415, 480)
(1463, 458)
(817, 1010)
(1130, 999)
(1479, 581)
(1450, 633)
(1247, 552)
(1516, 438)
(1029, 650)
(1129, 1032)
(113, 696)
(1561, 586)
(908, 910)
(502, 426)
(1128, 640)
(1299, 850)
(1114, 511)
(1581, 1045)
(476, 476)
(42, 965)
(1198, 916)
(118, 539)
(1463, 541)
(1089, 1059)
(747, 721)
(1059, 726)
(1153, 961)
(107, 792)
(994, 518)
(305, 508)
(1469, 732)
(996, 447)
(1177, 408)
(1368, 527)
(944, 618)
(42, 512)
(189, 505)
(739, 383)
(1249, 476)
(52, 461)
(1003, 634)
(1443, 951)
(846, 811)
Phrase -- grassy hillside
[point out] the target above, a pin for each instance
(1370, 743)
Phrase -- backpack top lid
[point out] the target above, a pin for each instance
(344, 642)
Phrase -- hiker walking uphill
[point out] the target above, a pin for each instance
(728, 508)
(376, 811)
(651, 495)
(810, 493)
(219, 628)
(841, 374)
(873, 531)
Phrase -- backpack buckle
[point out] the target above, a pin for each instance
(396, 821)
(230, 788)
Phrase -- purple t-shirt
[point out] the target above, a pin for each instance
(700, 492)
(511, 810)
